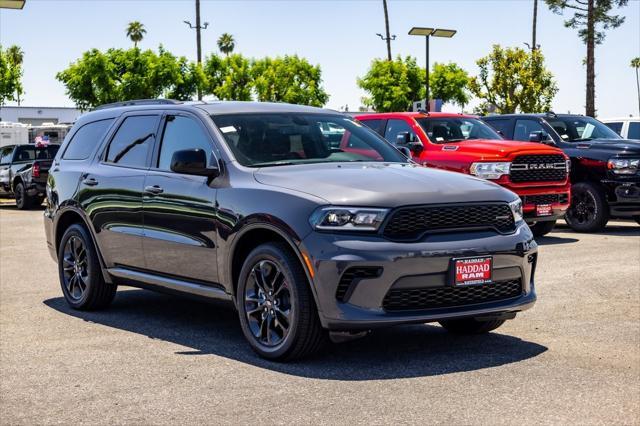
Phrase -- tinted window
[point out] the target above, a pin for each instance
(616, 127)
(634, 130)
(576, 129)
(456, 129)
(394, 127)
(85, 140)
(525, 127)
(501, 125)
(28, 153)
(133, 141)
(377, 125)
(5, 155)
(262, 140)
(181, 133)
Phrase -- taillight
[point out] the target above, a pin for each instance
(35, 170)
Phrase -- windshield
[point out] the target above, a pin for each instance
(32, 152)
(576, 129)
(263, 140)
(456, 129)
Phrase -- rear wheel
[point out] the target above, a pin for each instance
(277, 312)
(23, 201)
(588, 211)
(540, 229)
(81, 277)
(471, 325)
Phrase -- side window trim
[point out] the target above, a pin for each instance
(155, 159)
(114, 131)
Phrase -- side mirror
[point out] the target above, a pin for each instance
(500, 132)
(540, 136)
(192, 162)
(403, 138)
(416, 147)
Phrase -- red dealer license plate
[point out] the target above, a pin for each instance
(473, 270)
(544, 210)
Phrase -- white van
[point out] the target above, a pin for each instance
(627, 127)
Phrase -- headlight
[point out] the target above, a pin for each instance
(516, 209)
(490, 170)
(624, 166)
(348, 218)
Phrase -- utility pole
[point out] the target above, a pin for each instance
(533, 46)
(198, 27)
(388, 37)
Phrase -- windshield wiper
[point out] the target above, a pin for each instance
(580, 139)
(272, 164)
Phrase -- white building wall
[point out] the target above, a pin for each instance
(38, 115)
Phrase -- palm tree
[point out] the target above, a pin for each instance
(226, 43)
(16, 57)
(635, 63)
(136, 32)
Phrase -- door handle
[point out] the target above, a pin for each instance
(90, 181)
(155, 189)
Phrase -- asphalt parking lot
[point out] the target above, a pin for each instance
(574, 358)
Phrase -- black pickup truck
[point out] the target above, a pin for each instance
(23, 172)
(605, 169)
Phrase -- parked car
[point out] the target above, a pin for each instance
(604, 167)
(463, 143)
(626, 127)
(249, 202)
(23, 172)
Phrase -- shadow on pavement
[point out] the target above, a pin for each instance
(619, 229)
(398, 352)
(550, 240)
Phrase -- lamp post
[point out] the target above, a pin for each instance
(426, 33)
(198, 27)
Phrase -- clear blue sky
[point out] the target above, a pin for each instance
(337, 34)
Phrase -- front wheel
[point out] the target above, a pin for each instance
(471, 325)
(277, 312)
(589, 211)
(540, 229)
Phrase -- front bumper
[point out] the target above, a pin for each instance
(411, 266)
(624, 198)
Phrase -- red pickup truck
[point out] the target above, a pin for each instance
(538, 173)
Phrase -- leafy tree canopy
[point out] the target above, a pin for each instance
(392, 85)
(229, 78)
(450, 83)
(602, 19)
(10, 74)
(514, 80)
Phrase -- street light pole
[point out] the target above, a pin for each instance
(427, 33)
(198, 27)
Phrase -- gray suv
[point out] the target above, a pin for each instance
(310, 223)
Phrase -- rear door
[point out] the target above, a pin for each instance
(179, 210)
(111, 190)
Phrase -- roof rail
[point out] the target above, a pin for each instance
(551, 114)
(138, 102)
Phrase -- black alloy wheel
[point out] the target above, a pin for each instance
(267, 300)
(22, 199)
(588, 211)
(74, 266)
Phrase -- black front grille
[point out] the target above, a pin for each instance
(351, 277)
(531, 168)
(411, 222)
(546, 199)
(442, 297)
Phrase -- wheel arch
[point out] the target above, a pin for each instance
(251, 237)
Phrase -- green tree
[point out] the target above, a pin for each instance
(289, 79)
(450, 83)
(226, 43)
(513, 79)
(119, 75)
(10, 74)
(392, 85)
(635, 63)
(591, 18)
(192, 77)
(229, 78)
(136, 32)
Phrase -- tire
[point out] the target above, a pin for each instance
(589, 211)
(471, 326)
(540, 229)
(273, 291)
(79, 269)
(23, 201)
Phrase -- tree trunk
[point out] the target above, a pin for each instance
(591, 73)
(386, 24)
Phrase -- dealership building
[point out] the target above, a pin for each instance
(37, 116)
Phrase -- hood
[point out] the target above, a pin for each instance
(382, 184)
(488, 150)
(612, 146)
